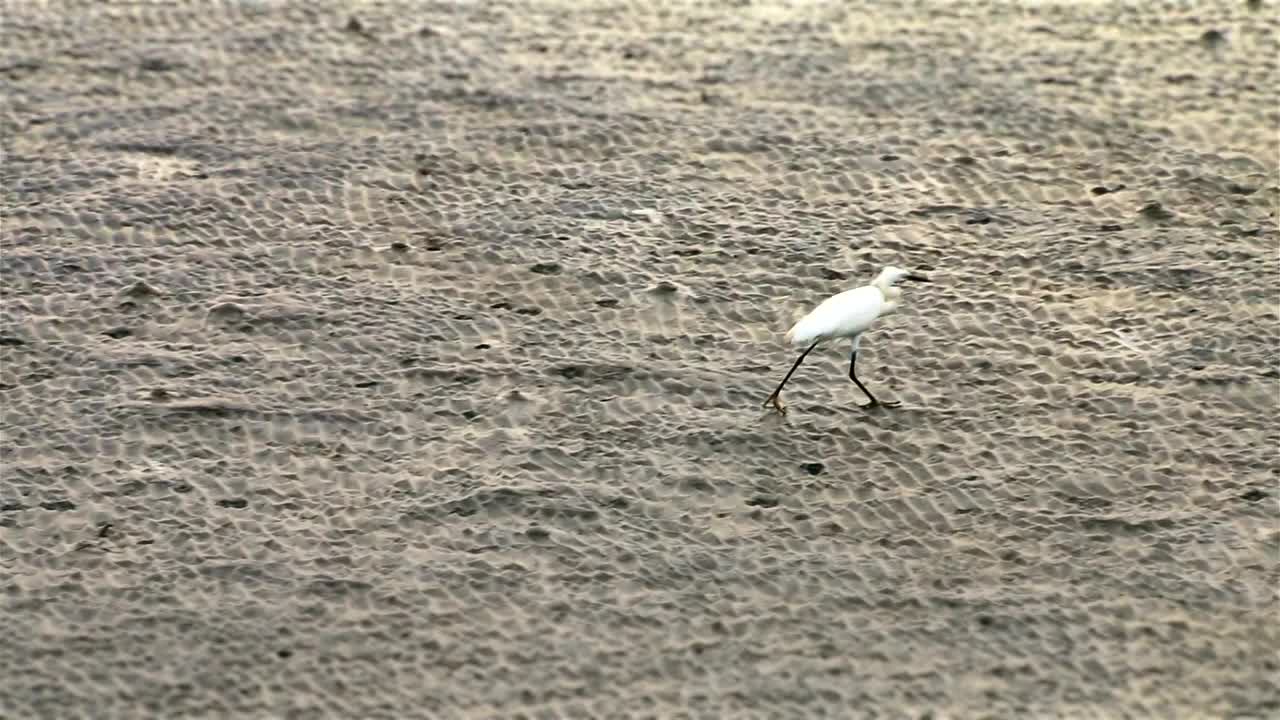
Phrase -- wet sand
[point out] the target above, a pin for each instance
(406, 359)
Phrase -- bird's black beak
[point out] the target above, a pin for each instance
(917, 278)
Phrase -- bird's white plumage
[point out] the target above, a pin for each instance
(851, 313)
(844, 315)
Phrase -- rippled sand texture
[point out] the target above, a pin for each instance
(407, 361)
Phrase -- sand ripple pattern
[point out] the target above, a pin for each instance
(404, 359)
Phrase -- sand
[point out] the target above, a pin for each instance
(405, 360)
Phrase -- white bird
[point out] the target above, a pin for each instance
(847, 315)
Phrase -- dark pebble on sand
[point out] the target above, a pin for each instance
(1110, 227)
(607, 302)
(118, 333)
(1213, 38)
(568, 371)
(10, 341)
(234, 503)
(1155, 211)
(537, 533)
(814, 468)
(157, 65)
(1254, 495)
(546, 268)
(764, 501)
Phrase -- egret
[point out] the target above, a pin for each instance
(847, 315)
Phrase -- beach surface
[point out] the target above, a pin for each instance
(406, 359)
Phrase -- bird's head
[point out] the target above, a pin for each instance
(892, 275)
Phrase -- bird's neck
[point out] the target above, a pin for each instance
(889, 292)
(891, 295)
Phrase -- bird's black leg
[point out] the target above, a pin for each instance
(853, 361)
(775, 398)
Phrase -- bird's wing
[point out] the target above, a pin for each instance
(843, 315)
